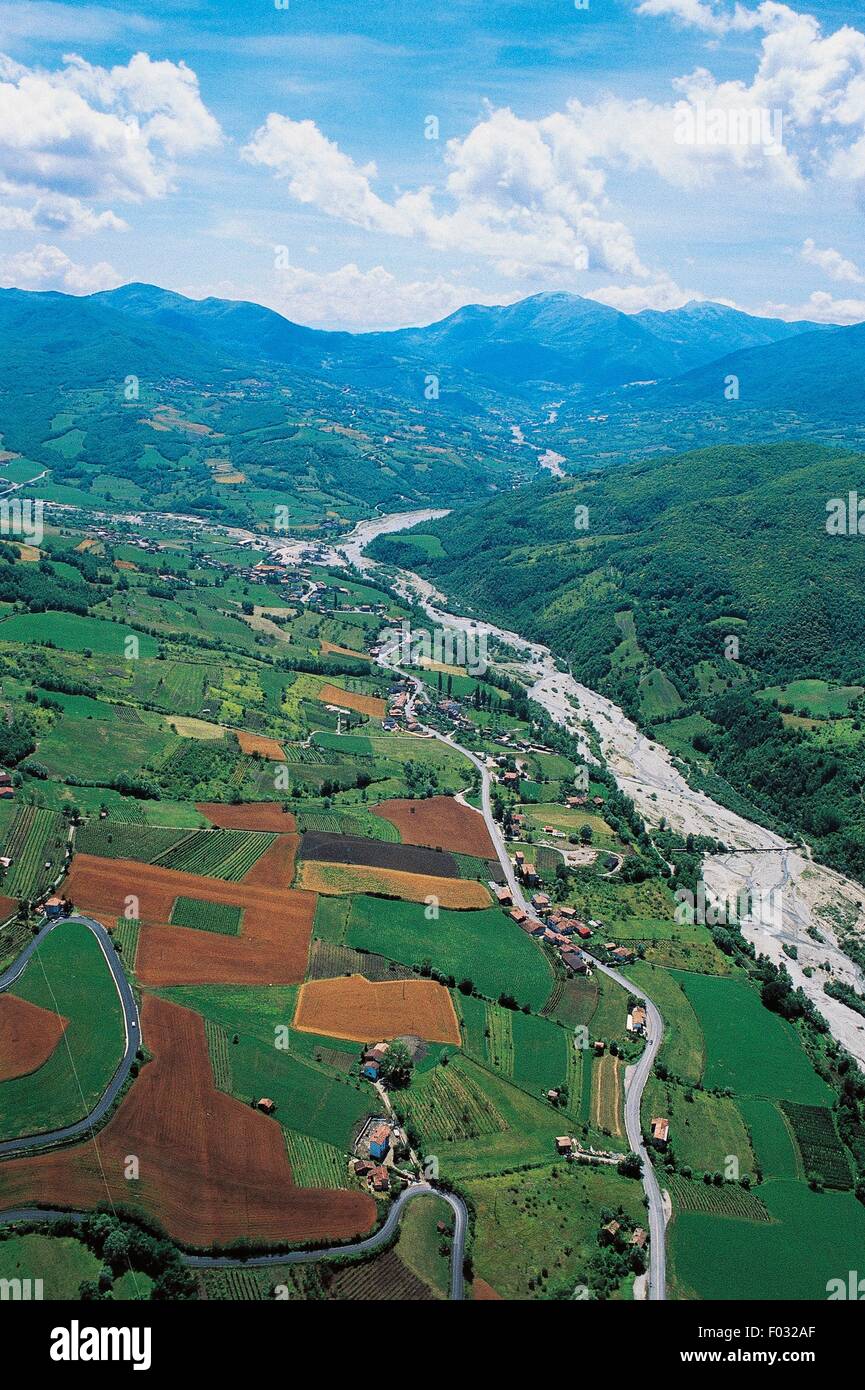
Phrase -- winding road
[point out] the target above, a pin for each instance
(636, 1075)
(85, 1127)
(33, 1143)
(302, 1257)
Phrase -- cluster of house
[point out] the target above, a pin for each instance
(638, 1235)
(372, 1060)
(573, 802)
(6, 788)
(401, 701)
(557, 927)
(375, 1153)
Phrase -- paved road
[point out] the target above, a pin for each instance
(636, 1078)
(303, 1257)
(639, 1074)
(132, 1028)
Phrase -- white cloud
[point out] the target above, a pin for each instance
(85, 132)
(662, 293)
(515, 194)
(830, 260)
(53, 213)
(820, 308)
(355, 299)
(45, 267)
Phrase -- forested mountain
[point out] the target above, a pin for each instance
(706, 595)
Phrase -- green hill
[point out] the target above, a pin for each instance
(697, 583)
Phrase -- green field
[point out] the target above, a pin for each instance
(74, 633)
(748, 1048)
(705, 1130)
(813, 1237)
(546, 1219)
(63, 1264)
(771, 1138)
(69, 976)
(204, 916)
(481, 945)
(421, 1246)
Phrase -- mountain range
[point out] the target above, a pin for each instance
(444, 412)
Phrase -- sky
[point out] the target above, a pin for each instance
(368, 166)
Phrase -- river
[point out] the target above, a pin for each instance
(800, 904)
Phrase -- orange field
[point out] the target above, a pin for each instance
(482, 1291)
(275, 868)
(271, 949)
(334, 649)
(349, 699)
(320, 877)
(28, 1036)
(260, 743)
(8, 906)
(355, 1008)
(211, 1168)
(439, 822)
(253, 815)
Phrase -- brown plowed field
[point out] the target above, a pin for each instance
(254, 815)
(271, 950)
(391, 883)
(378, 854)
(359, 1010)
(439, 822)
(7, 907)
(211, 1168)
(334, 649)
(260, 743)
(350, 699)
(482, 1291)
(28, 1036)
(275, 868)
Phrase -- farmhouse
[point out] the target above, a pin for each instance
(379, 1179)
(503, 895)
(639, 1237)
(517, 914)
(564, 1144)
(379, 1142)
(266, 1105)
(661, 1131)
(637, 1020)
(370, 1071)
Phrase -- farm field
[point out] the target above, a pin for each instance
(744, 1260)
(35, 838)
(361, 1011)
(211, 1168)
(546, 1219)
(476, 1121)
(705, 1130)
(255, 815)
(762, 1055)
(350, 699)
(420, 1243)
(391, 883)
(28, 1036)
(771, 1138)
(683, 1050)
(257, 743)
(486, 947)
(439, 822)
(271, 949)
(319, 846)
(67, 977)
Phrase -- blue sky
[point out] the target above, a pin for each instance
(643, 152)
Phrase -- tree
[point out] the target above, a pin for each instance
(395, 1067)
